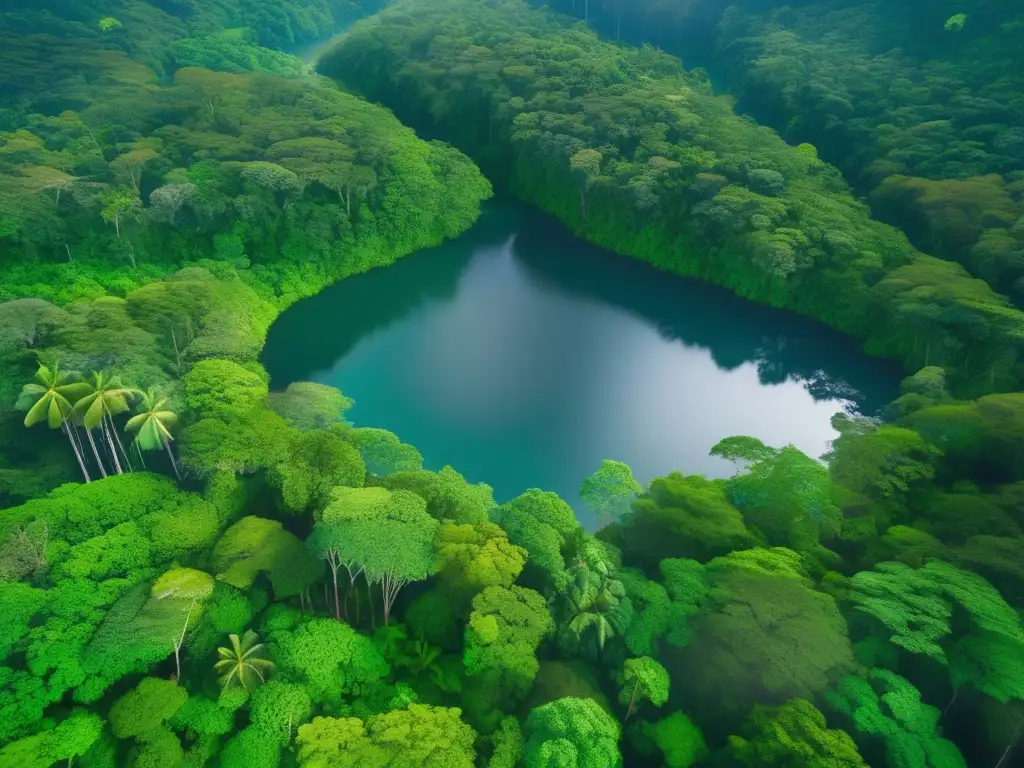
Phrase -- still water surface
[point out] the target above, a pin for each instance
(523, 356)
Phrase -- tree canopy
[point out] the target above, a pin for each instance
(206, 563)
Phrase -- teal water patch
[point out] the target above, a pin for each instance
(523, 356)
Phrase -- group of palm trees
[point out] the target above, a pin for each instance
(76, 406)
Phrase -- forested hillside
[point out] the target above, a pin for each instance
(302, 182)
(196, 570)
(636, 155)
(928, 125)
(918, 103)
(124, 176)
(157, 33)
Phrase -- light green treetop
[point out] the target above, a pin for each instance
(152, 702)
(505, 629)
(611, 489)
(329, 658)
(571, 732)
(793, 735)
(915, 609)
(680, 741)
(643, 678)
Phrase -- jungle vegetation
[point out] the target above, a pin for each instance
(928, 128)
(636, 155)
(198, 571)
(918, 103)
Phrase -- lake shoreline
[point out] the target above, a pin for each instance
(479, 352)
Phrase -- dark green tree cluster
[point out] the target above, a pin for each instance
(636, 155)
(902, 557)
(48, 45)
(918, 104)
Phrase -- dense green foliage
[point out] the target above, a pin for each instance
(197, 571)
(276, 187)
(636, 155)
(291, 177)
(928, 124)
(161, 34)
(918, 103)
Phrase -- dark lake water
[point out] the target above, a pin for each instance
(523, 356)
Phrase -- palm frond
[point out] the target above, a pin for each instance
(55, 413)
(38, 411)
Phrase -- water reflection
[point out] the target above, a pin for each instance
(523, 357)
(784, 347)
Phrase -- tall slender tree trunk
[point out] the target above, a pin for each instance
(369, 598)
(332, 561)
(95, 452)
(390, 586)
(77, 439)
(170, 455)
(113, 450)
(74, 447)
(1017, 732)
(110, 444)
(138, 450)
(181, 640)
(955, 694)
(177, 352)
(629, 709)
(117, 439)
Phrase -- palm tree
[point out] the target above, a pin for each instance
(594, 607)
(106, 397)
(424, 656)
(244, 663)
(152, 425)
(76, 420)
(51, 397)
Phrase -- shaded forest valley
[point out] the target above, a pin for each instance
(198, 570)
